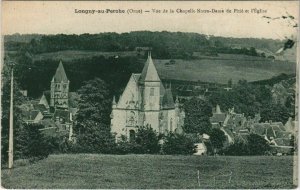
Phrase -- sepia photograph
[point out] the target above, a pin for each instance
(149, 94)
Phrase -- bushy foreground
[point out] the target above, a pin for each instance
(146, 141)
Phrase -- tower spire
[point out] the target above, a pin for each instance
(149, 73)
(114, 103)
(60, 74)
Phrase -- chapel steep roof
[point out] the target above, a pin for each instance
(167, 100)
(60, 74)
(149, 73)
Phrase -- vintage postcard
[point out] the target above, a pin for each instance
(149, 94)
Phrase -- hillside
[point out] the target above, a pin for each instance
(164, 45)
(218, 69)
(223, 68)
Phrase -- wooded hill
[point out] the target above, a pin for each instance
(163, 44)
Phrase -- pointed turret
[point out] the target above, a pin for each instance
(168, 102)
(60, 74)
(218, 110)
(114, 103)
(177, 100)
(149, 73)
(177, 103)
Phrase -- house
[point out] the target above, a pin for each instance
(145, 102)
(218, 118)
(32, 116)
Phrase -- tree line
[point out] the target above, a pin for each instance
(164, 44)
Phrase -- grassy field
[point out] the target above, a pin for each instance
(221, 69)
(205, 68)
(151, 171)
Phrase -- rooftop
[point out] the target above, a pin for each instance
(60, 74)
(167, 101)
(149, 73)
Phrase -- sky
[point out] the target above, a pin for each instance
(52, 17)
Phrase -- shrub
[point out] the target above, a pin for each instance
(125, 147)
(255, 145)
(178, 144)
(32, 144)
(94, 140)
(217, 138)
(147, 139)
(236, 149)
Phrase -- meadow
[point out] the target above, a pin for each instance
(223, 68)
(87, 171)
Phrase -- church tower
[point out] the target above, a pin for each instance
(149, 87)
(60, 89)
(149, 84)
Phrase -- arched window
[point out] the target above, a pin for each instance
(131, 135)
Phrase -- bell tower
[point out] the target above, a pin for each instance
(149, 84)
(149, 98)
(59, 89)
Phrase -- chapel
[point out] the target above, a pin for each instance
(146, 102)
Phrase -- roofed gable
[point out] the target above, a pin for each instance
(130, 92)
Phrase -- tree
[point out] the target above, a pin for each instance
(217, 138)
(252, 51)
(197, 117)
(94, 138)
(31, 143)
(178, 144)
(257, 145)
(252, 145)
(5, 108)
(145, 141)
(237, 149)
(92, 121)
(94, 103)
(245, 97)
(147, 138)
(275, 112)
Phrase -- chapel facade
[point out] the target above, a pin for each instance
(146, 102)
